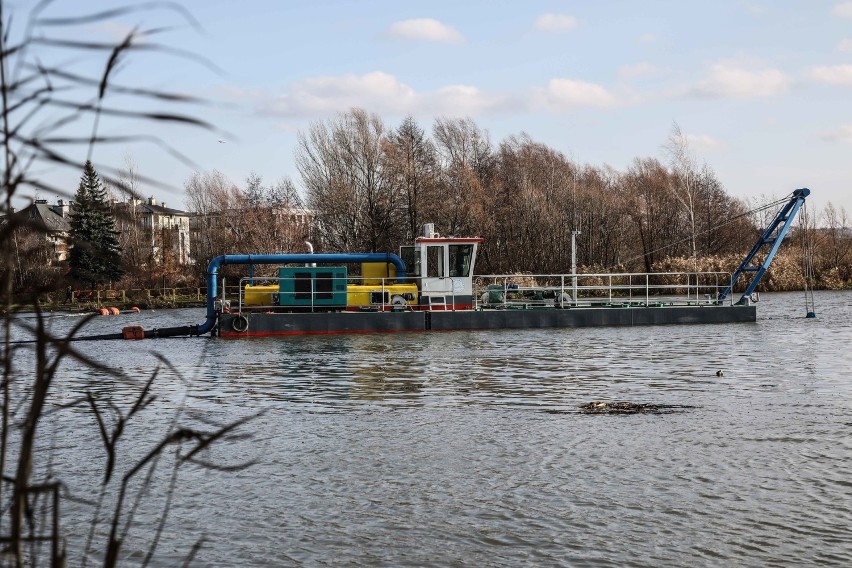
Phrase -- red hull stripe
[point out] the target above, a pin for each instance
(234, 335)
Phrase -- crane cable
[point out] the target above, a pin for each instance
(708, 230)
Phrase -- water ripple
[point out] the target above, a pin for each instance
(470, 448)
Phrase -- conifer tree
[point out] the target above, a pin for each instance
(95, 255)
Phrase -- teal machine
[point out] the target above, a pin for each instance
(312, 286)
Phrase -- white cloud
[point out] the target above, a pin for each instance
(834, 75)
(459, 100)
(567, 94)
(732, 81)
(317, 96)
(643, 69)
(555, 23)
(845, 45)
(648, 38)
(843, 134)
(844, 10)
(704, 143)
(425, 29)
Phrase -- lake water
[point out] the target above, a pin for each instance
(470, 449)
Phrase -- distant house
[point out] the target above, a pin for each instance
(56, 222)
(161, 230)
(164, 231)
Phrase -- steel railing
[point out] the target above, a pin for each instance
(575, 290)
(509, 290)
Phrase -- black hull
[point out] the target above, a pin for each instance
(284, 324)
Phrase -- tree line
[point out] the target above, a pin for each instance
(372, 186)
(367, 186)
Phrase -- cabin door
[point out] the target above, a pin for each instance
(446, 270)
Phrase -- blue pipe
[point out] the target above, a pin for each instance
(347, 257)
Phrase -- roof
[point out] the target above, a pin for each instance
(51, 217)
(153, 209)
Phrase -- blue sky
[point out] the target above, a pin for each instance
(762, 89)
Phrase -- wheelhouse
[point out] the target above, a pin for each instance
(443, 267)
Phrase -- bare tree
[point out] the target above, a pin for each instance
(683, 163)
(647, 186)
(342, 167)
(216, 226)
(276, 215)
(136, 249)
(411, 167)
(467, 168)
(836, 245)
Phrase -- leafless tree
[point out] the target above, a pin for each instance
(835, 247)
(467, 169)
(276, 214)
(647, 188)
(683, 163)
(411, 168)
(341, 162)
(135, 247)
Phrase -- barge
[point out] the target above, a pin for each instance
(431, 286)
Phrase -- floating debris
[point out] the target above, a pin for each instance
(599, 407)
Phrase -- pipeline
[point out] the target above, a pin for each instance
(129, 332)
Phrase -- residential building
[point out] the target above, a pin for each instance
(55, 219)
(154, 230)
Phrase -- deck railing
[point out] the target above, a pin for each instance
(505, 291)
(576, 290)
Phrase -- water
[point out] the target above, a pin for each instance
(469, 449)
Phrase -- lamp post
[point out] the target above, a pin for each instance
(574, 234)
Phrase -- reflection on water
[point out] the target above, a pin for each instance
(471, 447)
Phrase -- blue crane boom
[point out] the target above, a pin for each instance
(771, 237)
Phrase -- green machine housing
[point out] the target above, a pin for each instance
(307, 286)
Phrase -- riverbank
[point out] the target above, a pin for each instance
(125, 304)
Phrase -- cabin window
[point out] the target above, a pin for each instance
(460, 257)
(435, 261)
(406, 254)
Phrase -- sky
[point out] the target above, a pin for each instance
(763, 90)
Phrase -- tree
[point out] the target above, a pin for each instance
(341, 162)
(646, 184)
(136, 249)
(682, 160)
(834, 246)
(468, 167)
(411, 166)
(95, 255)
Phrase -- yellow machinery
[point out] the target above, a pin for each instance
(370, 293)
(259, 295)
